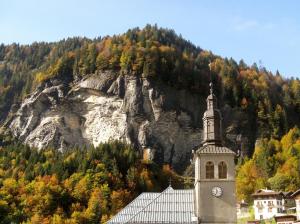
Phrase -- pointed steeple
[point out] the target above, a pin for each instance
(211, 99)
(212, 121)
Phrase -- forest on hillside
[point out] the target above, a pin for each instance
(275, 164)
(270, 101)
(77, 186)
(91, 184)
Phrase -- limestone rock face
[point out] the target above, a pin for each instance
(108, 106)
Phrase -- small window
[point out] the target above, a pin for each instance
(269, 209)
(222, 170)
(210, 170)
(260, 210)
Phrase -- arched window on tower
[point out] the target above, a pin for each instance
(210, 170)
(222, 168)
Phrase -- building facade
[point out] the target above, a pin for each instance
(268, 204)
(296, 197)
(242, 210)
(285, 219)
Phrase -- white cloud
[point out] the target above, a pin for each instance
(239, 24)
(245, 25)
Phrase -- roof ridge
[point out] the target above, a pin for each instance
(295, 193)
(150, 203)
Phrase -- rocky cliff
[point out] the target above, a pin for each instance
(108, 106)
(160, 120)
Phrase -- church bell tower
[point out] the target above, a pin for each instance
(215, 200)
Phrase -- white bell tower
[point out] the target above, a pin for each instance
(215, 200)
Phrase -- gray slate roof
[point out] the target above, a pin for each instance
(170, 206)
(215, 149)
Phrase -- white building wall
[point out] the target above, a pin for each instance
(268, 209)
(298, 208)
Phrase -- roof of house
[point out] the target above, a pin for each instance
(253, 222)
(287, 194)
(170, 206)
(134, 207)
(267, 193)
(288, 217)
(297, 192)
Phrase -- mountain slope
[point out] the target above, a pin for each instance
(104, 107)
(147, 86)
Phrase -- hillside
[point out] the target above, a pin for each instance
(275, 165)
(76, 186)
(77, 115)
(255, 103)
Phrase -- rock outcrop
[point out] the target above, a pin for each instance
(107, 106)
(159, 120)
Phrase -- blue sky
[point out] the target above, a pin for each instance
(266, 32)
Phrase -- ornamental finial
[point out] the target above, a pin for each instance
(210, 84)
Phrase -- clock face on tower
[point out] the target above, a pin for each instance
(216, 191)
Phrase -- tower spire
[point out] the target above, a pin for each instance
(212, 120)
(211, 88)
